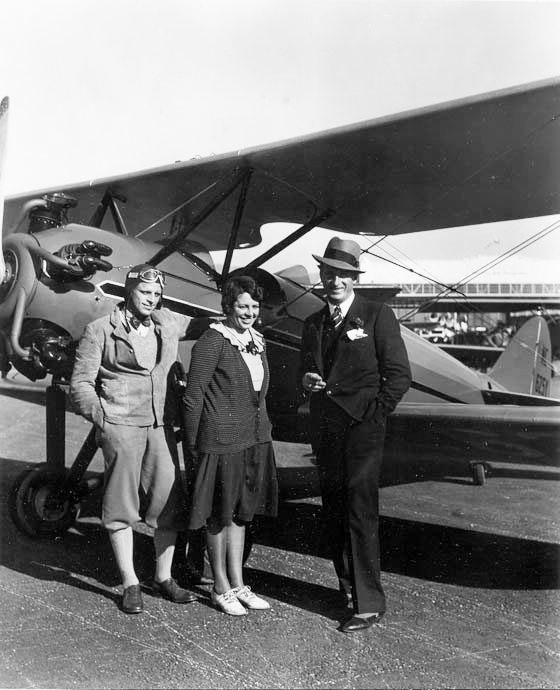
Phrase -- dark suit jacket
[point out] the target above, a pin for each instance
(367, 374)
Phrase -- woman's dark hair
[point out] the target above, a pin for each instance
(237, 286)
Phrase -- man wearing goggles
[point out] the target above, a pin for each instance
(143, 289)
(146, 274)
(119, 382)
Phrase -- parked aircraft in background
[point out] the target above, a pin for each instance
(478, 348)
(67, 252)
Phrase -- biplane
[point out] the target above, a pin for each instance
(488, 158)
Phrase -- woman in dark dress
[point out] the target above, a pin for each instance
(229, 438)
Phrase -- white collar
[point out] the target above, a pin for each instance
(344, 306)
(239, 340)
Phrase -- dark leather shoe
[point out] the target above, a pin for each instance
(357, 623)
(169, 589)
(132, 599)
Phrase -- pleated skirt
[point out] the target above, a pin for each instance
(234, 486)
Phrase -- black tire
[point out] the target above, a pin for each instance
(479, 473)
(37, 505)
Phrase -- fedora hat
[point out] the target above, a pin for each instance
(342, 254)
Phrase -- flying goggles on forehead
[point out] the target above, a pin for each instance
(148, 275)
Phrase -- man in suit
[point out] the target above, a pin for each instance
(354, 364)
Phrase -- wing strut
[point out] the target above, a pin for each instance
(229, 184)
(236, 223)
(108, 202)
(306, 227)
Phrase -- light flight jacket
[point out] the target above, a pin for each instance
(107, 382)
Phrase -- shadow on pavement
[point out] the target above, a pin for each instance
(82, 557)
(36, 396)
(421, 463)
(429, 551)
(311, 597)
(82, 552)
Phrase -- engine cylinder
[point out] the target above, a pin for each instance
(52, 213)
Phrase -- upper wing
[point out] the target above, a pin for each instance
(488, 158)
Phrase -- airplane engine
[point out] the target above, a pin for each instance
(37, 345)
(49, 291)
(58, 278)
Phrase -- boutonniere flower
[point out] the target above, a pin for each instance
(357, 330)
(356, 322)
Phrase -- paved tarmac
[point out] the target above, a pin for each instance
(471, 575)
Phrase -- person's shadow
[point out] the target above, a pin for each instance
(82, 556)
(437, 553)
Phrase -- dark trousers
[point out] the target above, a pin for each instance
(349, 462)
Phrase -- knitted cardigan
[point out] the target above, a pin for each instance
(222, 412)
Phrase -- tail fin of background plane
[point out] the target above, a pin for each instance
(3, 135)
(525, 365)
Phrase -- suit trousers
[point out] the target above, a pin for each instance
(349, 460)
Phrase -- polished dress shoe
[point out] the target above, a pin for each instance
(132, 599)
(357, 623)
(170, 590)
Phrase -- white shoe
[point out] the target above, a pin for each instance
(249, 599)
(228, 603)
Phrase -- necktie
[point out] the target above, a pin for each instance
(135, 322)
(336, 317)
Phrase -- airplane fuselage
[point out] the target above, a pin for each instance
(69, 305)
(55, 313)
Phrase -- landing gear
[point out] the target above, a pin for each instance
(44, 501)
(478, 470)
(39, 503)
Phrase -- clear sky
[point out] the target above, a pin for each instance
(102, 87)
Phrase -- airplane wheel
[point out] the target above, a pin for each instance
(37, 505)
(479, 473)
